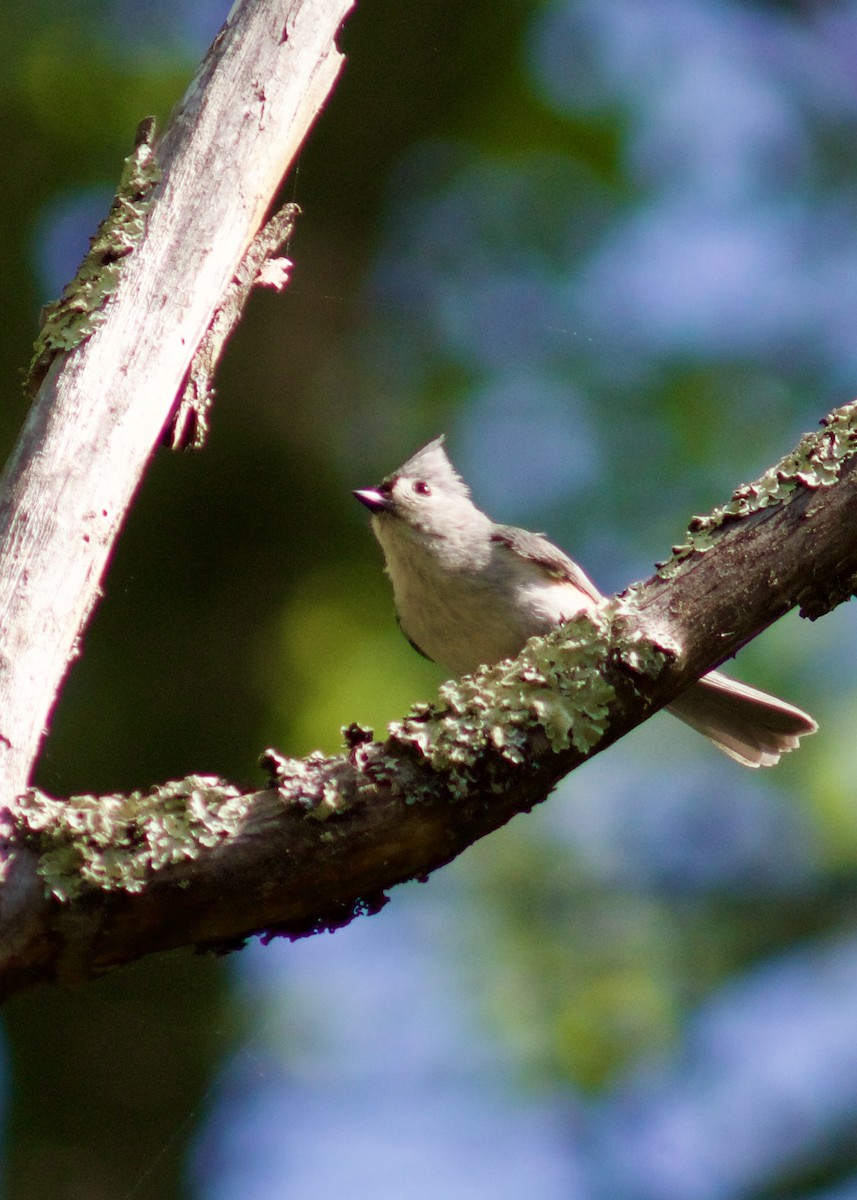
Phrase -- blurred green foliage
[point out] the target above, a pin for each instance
(245, 605)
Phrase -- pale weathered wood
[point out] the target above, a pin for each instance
(102, 407)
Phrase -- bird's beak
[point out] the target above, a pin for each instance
(375, 501)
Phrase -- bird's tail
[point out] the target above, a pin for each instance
(748, 725)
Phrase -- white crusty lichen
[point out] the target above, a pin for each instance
(332, 802)
(116, 842)
(557, 686)
(315, 783)
(816, 462)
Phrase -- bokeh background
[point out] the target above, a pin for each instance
(610, 248)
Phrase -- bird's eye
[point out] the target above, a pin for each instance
(422, 488)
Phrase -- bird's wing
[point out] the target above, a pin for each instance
(539, 550)
(410, 640)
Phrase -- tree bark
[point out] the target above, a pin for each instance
(99, 881)
(104, 403)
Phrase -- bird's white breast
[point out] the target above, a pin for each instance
(462, 617)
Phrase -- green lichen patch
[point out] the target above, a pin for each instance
(556, 686)
(116, 842)
(320, 785)
(69, 321)
(816, 462)
(332, 802)
(643, 652)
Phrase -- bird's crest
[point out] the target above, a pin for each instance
(432, 464)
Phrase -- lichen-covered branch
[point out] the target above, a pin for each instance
(94, 882)
(101, 880)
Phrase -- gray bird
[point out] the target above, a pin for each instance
(469, 592)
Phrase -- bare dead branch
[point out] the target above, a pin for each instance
(258, 268)
(109, 390)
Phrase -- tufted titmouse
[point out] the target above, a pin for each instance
(469, 592)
